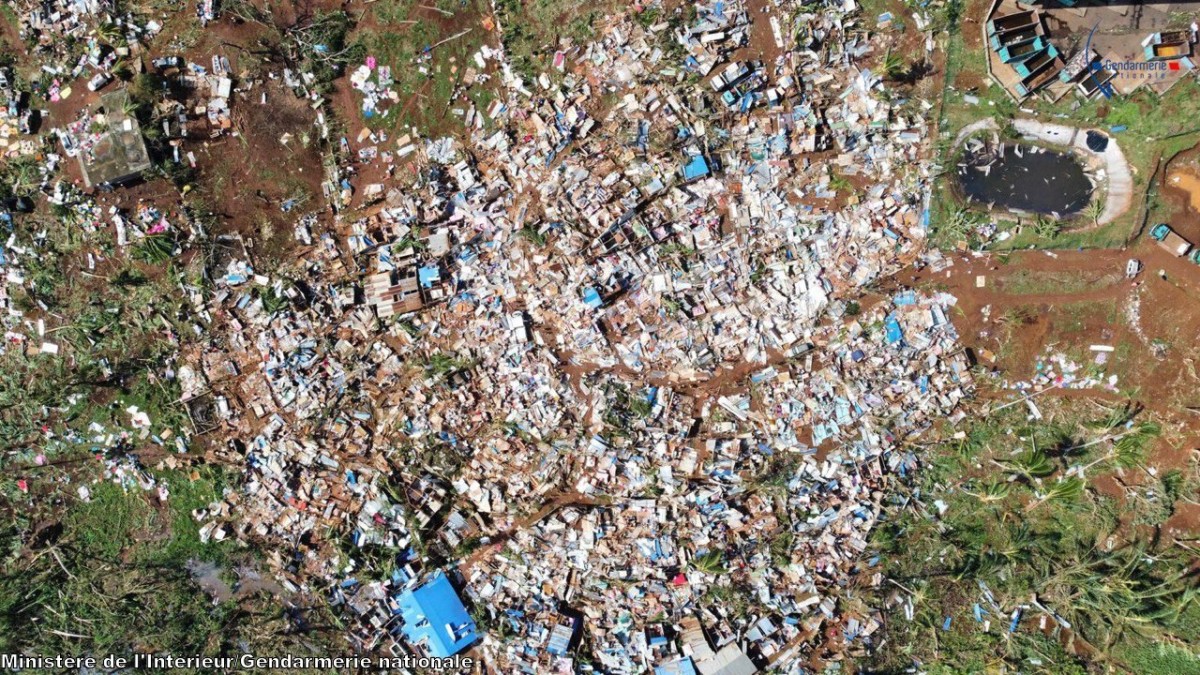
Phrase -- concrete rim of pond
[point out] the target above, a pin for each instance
(1117, 188)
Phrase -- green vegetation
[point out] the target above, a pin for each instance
(533, 235)
(429, 50)
(1033, 282)
(273, 302)
(116, 338)
(322, 44)
(440, 364)
(534, 30)
(9, 15)
(894, 66)
(19, 177)
(840, 184)
(626, 409)
(711, 562)
(112, 576)
(1008, 516)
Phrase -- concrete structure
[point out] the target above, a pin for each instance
(119, 156)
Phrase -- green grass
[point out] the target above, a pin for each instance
(1030, 282)
(1008, 525)
(399, 33)
(1162, 659)
(1071, 317)
(110, 525)
(9, 15)
(112, 577)
(105, 526)
(534, 30)
(187, 495)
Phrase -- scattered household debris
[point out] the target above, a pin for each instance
(609, 357)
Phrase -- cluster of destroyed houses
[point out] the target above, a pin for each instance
(611, 372)
(602, 378)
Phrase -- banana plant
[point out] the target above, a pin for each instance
(1031, 465)
(1065, 490)
(712, 562)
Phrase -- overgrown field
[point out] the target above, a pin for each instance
(1015, 522)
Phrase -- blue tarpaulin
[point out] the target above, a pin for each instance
(892, 329)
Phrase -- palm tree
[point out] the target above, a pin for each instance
(893, 65)
(991, 492)
(1107, 595)
(1129, 448)
(109, 32)
(1117, 416)
(23, 176)
(156, 248)
(1031, 465)
(961, 222)
(1067, 489)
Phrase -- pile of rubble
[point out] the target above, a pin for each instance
(613, 358)
(616, 364)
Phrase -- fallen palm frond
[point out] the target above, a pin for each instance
(711, 562)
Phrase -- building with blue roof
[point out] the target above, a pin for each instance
(435, 617)
(428, 276)
(696, 167)
(591, 298)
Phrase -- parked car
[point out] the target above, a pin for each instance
(1166, 237)
(99, 81)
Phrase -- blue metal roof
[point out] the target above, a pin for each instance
(591, 298)
(427, 276)
(892, 329)
(696, 167)
(433, 613)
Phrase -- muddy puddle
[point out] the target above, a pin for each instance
(1187, 180)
